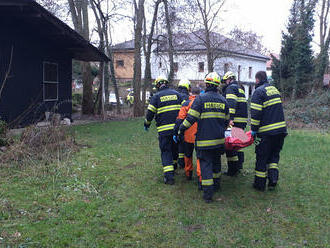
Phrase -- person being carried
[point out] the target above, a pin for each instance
(183, 89)
(189, 137)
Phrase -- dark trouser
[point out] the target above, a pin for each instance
(181, 148)
(240, 154)
(233, 162)
(267, 158)
(210, 162)
(168, 149)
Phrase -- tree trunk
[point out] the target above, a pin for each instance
(113, 79)
(170, 42)
(209, 54)
(138, 109)
(79, 15)
(148, 51)
(87, 102)
(100, 95)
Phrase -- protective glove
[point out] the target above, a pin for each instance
(175, 138)
(254, 134)
(146, 128)
(180, 137)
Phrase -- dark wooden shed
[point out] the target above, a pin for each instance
(37, 49)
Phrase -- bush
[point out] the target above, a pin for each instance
(40, 148)
(3, 133)
(76, 99)
(311, 111)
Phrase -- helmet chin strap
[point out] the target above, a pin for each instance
(162, 85)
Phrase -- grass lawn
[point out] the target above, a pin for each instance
(111, 194)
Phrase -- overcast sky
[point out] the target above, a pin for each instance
(265, 17)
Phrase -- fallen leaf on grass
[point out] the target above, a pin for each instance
(193, 228)
(16, 235)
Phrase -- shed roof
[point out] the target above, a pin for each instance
(37, 18)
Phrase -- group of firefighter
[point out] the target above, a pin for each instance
(187, 119)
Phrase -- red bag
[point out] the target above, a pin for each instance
(235, 144)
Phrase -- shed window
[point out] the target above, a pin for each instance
(50, 81)
(250, 72)
(176, 66)
(120, 63)
(201, 66)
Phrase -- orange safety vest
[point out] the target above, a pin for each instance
(190, 133)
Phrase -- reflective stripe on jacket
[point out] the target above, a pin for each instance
(190, 133)
(164, 106)
(235, 97)
(211, 112)
(267, 116)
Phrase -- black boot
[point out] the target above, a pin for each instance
(181, 163)
(232, 170)
(175, 165)
(208, 193)
(189, 177)
(259, 183)
(216, 184)
(272, 177)
(169, 178)
(240, 160)
(200, 187)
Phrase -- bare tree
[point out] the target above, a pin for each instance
(56, 7)
(138, 108)
(79, 15)
(248, 39)
(148, 41)
(170, 41)
(207, 20)
(105, 12)
(322, 61)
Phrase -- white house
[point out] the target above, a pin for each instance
(190, 60)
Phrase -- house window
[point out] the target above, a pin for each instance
(50, 81)
(120, 63)
(239, 73)
(201, 66)
(250, 72)
(225, 68)
(176, 66)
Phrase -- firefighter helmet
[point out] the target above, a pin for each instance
(160, 80)
(229, 75)
(184, 83)
(212, 78)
